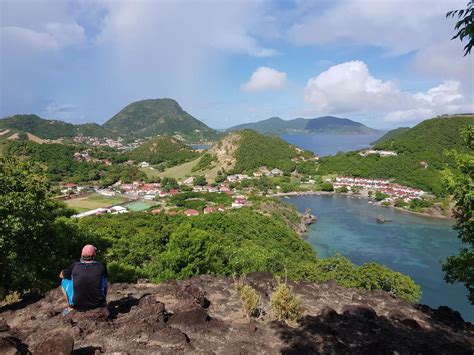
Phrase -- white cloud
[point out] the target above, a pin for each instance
(265, 79)
(350, 88)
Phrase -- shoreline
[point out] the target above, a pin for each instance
(329, 193)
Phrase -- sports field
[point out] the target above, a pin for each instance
(93, 201)
(180, 172)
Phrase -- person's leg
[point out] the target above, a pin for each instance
(68, 291)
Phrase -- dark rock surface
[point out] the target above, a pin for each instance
(203, 315)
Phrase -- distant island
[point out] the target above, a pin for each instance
(319, 125)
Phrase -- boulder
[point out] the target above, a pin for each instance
(359, 311)
(59, 343)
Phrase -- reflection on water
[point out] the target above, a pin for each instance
(410, 244)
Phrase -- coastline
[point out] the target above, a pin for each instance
(332, 193)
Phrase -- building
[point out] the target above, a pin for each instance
(191, 212)
(189, 180)
(144, 164)
(277, 172)
(239, 202)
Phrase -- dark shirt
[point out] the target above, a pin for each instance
(89, 282)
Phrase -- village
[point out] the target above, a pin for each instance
(157, 198)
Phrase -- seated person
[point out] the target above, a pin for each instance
(84, 283)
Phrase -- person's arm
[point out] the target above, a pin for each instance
(67, 273)
(104, 281)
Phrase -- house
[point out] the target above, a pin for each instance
(191, 212)
(174, 192)
(276, 171)
(144, 164)
(424, 164)
(209, 209)
(239, 202)
(257, 174)
(189, 180)
(118, 210)
(156, 211)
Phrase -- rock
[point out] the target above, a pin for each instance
(359, 311)
(449, 317)
(328, 312)
(4, 327)
(60, 343)
(169, 337)
(190, 316)
(8, 346)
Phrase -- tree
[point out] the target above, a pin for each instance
(327, 186)
(465, 25)
(460, 182)
(200, 181)
(36, 240)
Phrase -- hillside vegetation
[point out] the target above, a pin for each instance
(52, 129)
(163, 150)
(426, 142)
(149, 118)
(326, 124)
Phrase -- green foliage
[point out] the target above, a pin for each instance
(198, 200)
(168, 184)
(308, 168)
(200, 180)
(249, 297)
(205, 162)
(164, 150)
(256, 150)
(52, 129)
(419, 205)
(426, 141)
(465, 25)
(460, 182)
(285, 305)
(148, 118)
(342, 189)
(36, 240)
(327, 186)
(378, 277)
(380, 196)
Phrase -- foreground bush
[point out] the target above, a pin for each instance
(285, 305)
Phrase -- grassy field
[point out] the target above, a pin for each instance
(182, 171)
(93, 201)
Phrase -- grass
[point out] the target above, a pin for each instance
(180, 172)
(140, 206)
(94, 201)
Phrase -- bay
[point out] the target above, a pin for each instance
(330, 144)
(411, 244)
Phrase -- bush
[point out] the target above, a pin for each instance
(327, 186)
(250, 299)
(285, 305)
(380, 196)
(342, 190)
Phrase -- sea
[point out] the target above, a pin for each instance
(330, 144)
(411, 244)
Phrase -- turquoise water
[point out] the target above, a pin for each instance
(410, 244)
(330, 144)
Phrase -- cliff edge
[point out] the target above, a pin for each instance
(204, 314)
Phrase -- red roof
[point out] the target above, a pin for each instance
(70, 185)
(191, 212)
(174, 192)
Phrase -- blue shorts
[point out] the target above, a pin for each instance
(68, 287)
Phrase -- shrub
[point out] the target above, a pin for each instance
(285, 305)
(342, 189)
(250, 299)
(327, 186)
(380, 196)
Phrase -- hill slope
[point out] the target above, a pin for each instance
(426, 142)
(391, 135)
(336, 125)
(163, 150)
(247, 150)
(326, 124)
(52, 129)
(204, 315)
(149, 118)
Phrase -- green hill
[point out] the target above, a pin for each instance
(391, 135)
(167, 150)
(52, 129)
(326, 125)
(426, 142)
(149, 118)
(273, 125)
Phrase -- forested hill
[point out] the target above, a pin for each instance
(165, 149)
(326, 124)
(336, 125)
(149, 118)
(273, 125)
(392, 134)
(421, 154)
(51, 129)
(432, 135)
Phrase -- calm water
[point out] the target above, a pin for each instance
(410, 244)
(330, 144)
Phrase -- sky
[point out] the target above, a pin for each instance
(385, 63)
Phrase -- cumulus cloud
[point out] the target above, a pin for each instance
(350, 88)
(265, 79)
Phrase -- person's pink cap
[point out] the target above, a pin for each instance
(88, 250)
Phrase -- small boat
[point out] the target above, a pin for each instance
(381, 219)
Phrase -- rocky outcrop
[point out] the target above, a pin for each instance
(204, 315)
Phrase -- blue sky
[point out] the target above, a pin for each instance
(384, 63)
